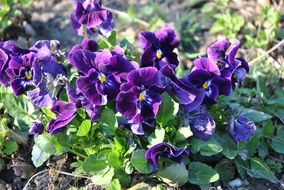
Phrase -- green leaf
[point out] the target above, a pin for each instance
(10, 147)
(140, 163)
(104, 44)
(39, 156)
(201, 174)
(252, 145)
(112, 38)
(256, 116)
(48, 113)
(92, 165)
(206, 148)
(44, 142)
(242, 166)
(277, 142)
(174, 175)
(259, 169)
(103, 179)
(230, 149)
(156, 137)
(108, 118)
(84, 128)
(226, 171)
(114, 159)
(114, 185)
(166, 110)
(19, 108)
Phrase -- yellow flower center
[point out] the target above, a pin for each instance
(205, 85)
(102, 78)
(142, 96)
(28, 75)
(159, 54)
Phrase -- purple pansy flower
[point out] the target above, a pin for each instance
(164, 149)
(212, 85)
(242, 128)
(89, 14)
(139, 98)
(50, 75)
(185, 93)
(22, 73)
(158, 48)
(7, 50)
(201, 123)
(102, 72)
(36, 129)
(65, 112)
(224, 56)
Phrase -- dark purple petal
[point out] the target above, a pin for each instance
(52, 67)
(20, 85)
(149, 39)
(41, 96)
(198, 77)
(126, 103)
(107, 25)
(168, 39)
(149, 107)
(224, 86)
(83, 60)
(102, 59)
(154, 153)
(65, 114)
(110, 87)
(137, 128)
(217, 51)
(86, 44)
(76, 25)
(207, 64)
(88, 86)
(187, 95)
(233, 52)
(241, 129)
(119, 64)
(171, 58)
(148, 57)
(3, 66)
(146, 77)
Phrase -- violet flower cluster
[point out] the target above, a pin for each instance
(35, 71)
(109, 77)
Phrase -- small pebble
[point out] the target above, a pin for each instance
(235, 183)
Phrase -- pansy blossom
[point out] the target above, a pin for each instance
(154, 154)
(65, 113)
(89, 17)
(139, 99)
(159, 48)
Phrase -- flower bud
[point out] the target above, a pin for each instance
(36, 129)
(242, 129)
(202, 124)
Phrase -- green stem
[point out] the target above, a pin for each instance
(86, 35)
(78, 153)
